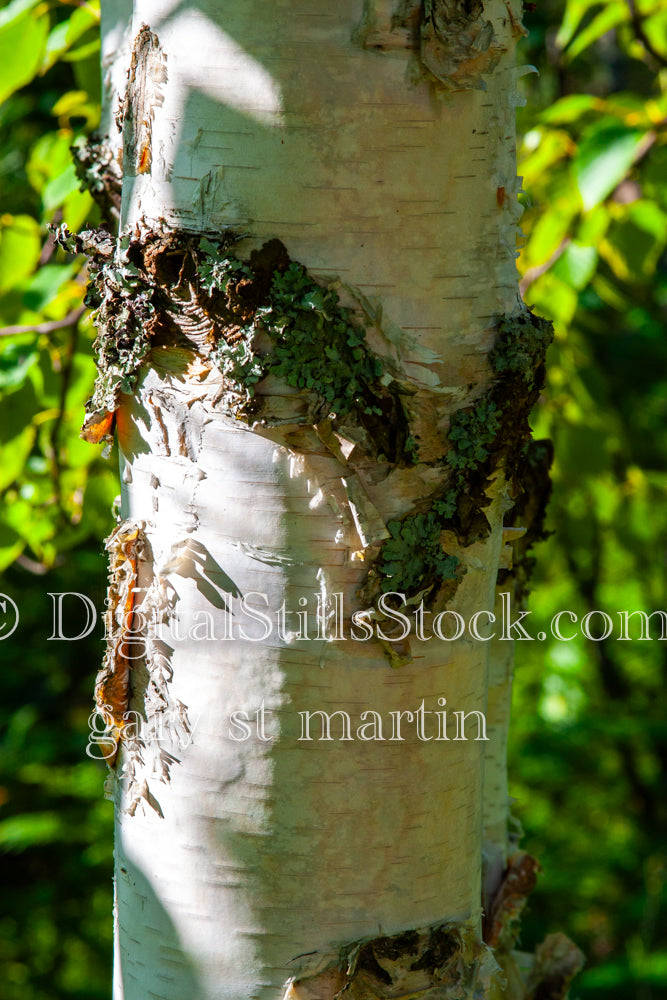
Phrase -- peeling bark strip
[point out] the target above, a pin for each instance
(132, 687)
(519, 880)
(454, 44)
(147, 76)
(112, 685)
(444, 962)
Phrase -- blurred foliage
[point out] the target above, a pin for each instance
(589, 744)
(55, 500)
(589, 739)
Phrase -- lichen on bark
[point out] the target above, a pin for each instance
(490, 434)
(288, 351)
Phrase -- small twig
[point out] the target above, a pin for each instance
(25, 562)
(533, 273)
(49, 327)
(55, 432)
(642, 37)
(50, 245)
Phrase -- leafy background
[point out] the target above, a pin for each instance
(589, 743)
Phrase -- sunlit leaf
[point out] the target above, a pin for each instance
(11, 545)
(23, 34)
(633, 244)
(576, 265)
(551, 229)
(30, 829)
(15, 362)
(569, 109)
(575, 11)
(76, 104)
(20, 247)
(603, 158)
(65, 34)
(58, 189)
(49, 157)
(46, 284)
(611, 15)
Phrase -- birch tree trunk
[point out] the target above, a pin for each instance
(312, 346)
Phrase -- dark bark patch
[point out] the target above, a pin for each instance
(529, 511)
(251, 319)
(452, 43)
(445, 960)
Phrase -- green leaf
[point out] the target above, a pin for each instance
(542, 149)
(575, 11)
(611, 15)
(593, 226)
(31, 829)
(552, 227)
(49, 157)
(553, 298)
(15, 9)
(83, 52)
(633, 245)
(11, 546)
(46, 284)
(576, 265)
(603, 158)
(14, 454)
(20, 247)
(68, 32)
(76, 104)
(569, 109)
(15, 362)
(60, 187)
(22, 41)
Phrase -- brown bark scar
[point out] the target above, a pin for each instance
(431, 962)
(518, 882)
(112, 685)
(145, 93)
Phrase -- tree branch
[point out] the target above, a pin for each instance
(642, 37)
(49, 327)
(533, 273)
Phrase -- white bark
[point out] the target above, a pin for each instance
(269, 856)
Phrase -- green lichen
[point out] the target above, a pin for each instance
(264, 316)
(316, 345)
(122, 298)
(471, 434)
(413, 559)
(521, 344)
(216, 269)
(493, 430)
